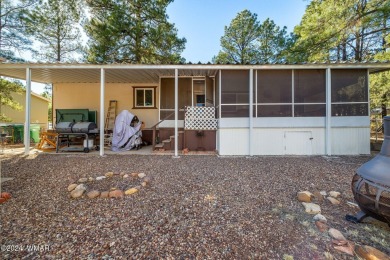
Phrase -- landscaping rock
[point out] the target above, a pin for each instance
(334, 233)
(143, 184)
(134, 174)
(100, 178)
(72, 186)
(77, 193)
(131, 191)
(318, 196)
(125, 176)
(81, 187)
(141, 175)
(334, 194)
(311, 208)
(5, 195)
(116, 194)
(322, 227)
(323, 193)
(333, 200)
(370, 253)
(91, 179)
(304, 196)
(82, 180)
(109, 174)
(348, 248)
(104, 194)
(147, 179)
(122, 174)
(320, 217)
(93, 194)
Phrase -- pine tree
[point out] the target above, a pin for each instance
(246, 41)
(133, 31)
(12, 31)
(239, 41)
(55, 25)
(343, 30)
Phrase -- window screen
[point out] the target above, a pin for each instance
(274, 111)
(349, 86)
(274, 86)
(309, 86)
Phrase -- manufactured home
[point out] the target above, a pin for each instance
(265, 109)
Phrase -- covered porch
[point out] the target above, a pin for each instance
(94, 86)
(265, 109)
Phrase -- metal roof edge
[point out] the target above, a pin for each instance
(367, 65)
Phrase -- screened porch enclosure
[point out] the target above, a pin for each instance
(294, 93)
(293, 111)
(192, 92)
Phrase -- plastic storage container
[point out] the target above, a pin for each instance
(19, 133)
(35, 130)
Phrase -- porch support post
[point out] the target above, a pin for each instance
(250, 112)
(28, 113)
(219, 94)
(328, 141)
(176, 112)
(101, 120)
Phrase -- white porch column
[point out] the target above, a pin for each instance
(250, 112)
(28, 113)
(176, 112)
(219, 93)
(101, 123)
(328, 133)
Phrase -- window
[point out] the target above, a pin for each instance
(309, 93)
(274, 86)
(274, 93)
(235, 93)
(309, 86)
(349, 92)
(144, 97)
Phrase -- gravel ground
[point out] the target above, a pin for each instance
(197, 207)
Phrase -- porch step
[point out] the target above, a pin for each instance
(158, 146)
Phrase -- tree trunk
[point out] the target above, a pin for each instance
(357, 47)
(58, 43)
(384, 34)
(344, 49)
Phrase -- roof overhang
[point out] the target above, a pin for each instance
(140, 73)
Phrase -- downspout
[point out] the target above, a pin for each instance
(250, 112)
(28, 113)
(176, 112)
(101, 133)
(328, 129)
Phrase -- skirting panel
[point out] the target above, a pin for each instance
(293, 141)
(350, 141)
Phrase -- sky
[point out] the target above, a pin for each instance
(202, 22)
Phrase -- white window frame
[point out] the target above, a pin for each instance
(153, 105)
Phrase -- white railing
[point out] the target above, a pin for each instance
(200, 118)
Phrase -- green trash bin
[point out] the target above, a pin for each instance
(35, 130)
(18, 133)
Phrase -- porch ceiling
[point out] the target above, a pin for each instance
(82, 74)
(141, 73)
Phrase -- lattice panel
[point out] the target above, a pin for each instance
(200, 118)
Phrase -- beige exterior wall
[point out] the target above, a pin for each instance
(39, 110)
(87, 96)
